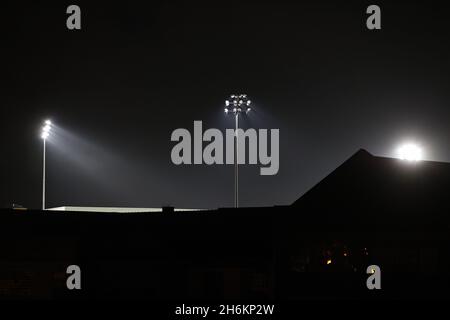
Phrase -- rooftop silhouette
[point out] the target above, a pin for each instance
(366, 188)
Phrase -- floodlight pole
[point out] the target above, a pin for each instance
(43, 177)
(237, 104)
(44, 135)
(236, 165)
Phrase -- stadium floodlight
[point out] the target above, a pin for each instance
(410, 152)
(237, 104)
(44, 135)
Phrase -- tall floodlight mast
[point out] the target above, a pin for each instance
(44, 135)
(237, 104)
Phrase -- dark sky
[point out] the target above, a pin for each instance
(138, 70)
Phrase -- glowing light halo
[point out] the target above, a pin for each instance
(411, 152)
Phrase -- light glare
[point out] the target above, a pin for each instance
(410, 152)
(46, 129)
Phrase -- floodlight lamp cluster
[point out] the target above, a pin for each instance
(238, 103)
(46, 129)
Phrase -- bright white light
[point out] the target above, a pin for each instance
(410, 152)
(46, 129)
(226, 110)
(227, 103)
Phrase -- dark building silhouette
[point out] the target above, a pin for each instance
(370, 210)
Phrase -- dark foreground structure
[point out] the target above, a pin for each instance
(370, 210)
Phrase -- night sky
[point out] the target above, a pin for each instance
(139, 70)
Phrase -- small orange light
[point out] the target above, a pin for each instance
(329, 261)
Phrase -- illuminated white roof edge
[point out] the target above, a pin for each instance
(116, 209)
